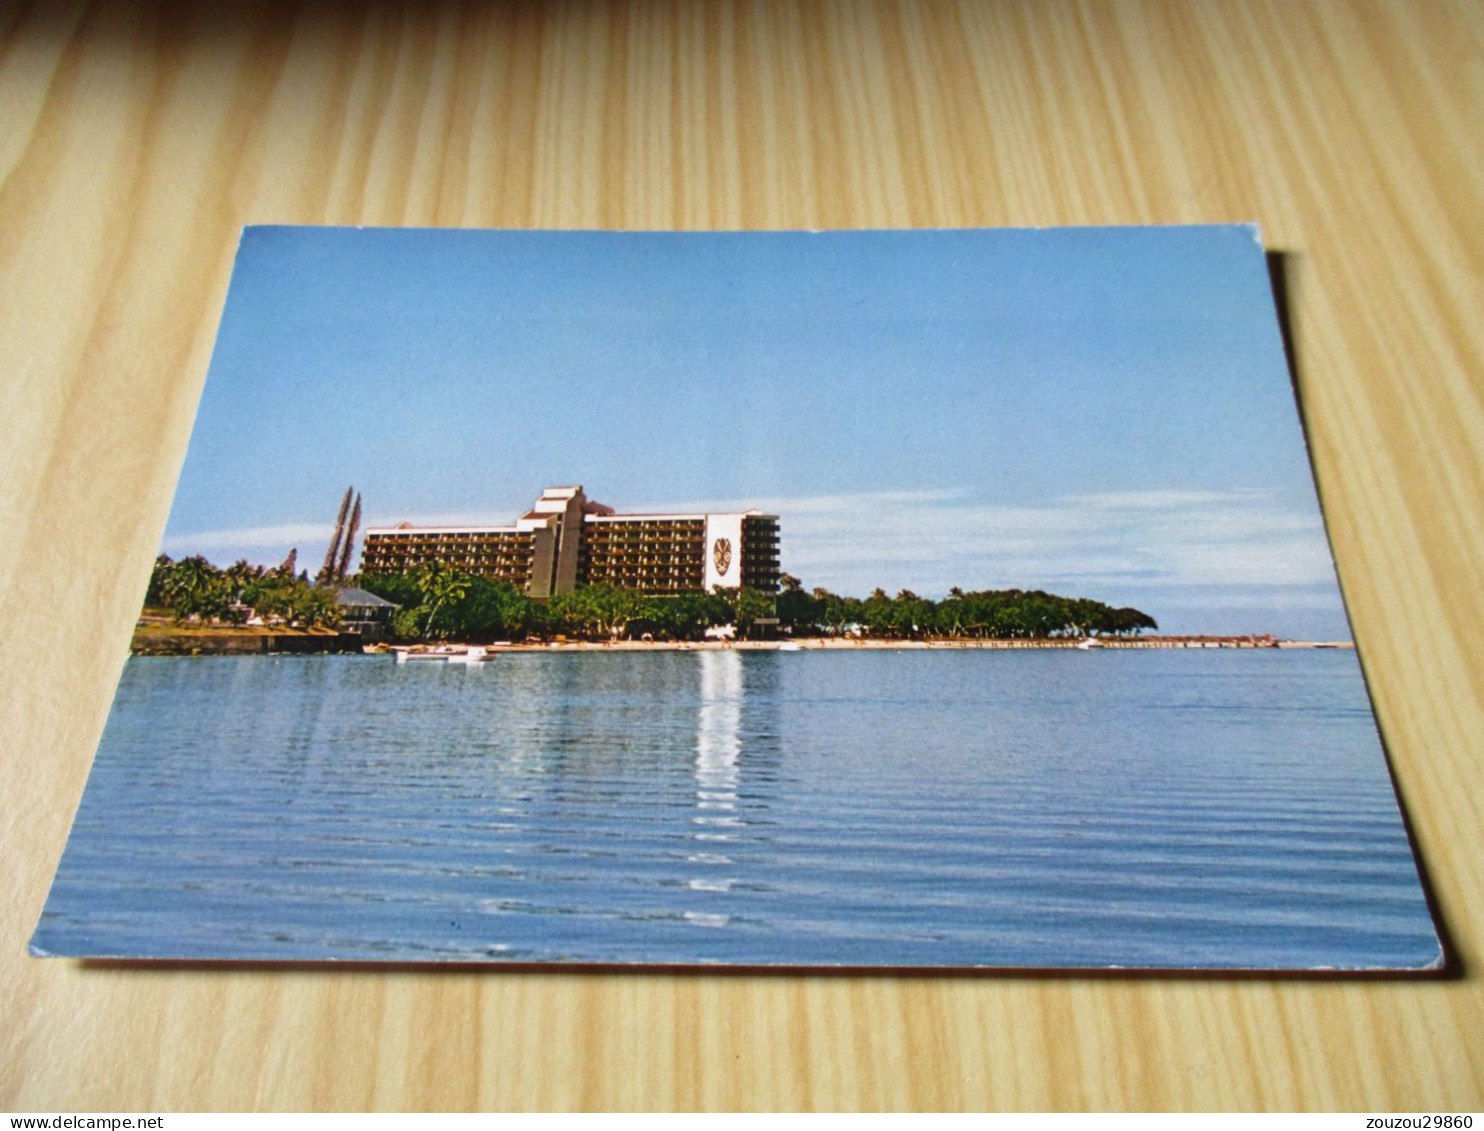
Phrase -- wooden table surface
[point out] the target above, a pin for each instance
(135, 143)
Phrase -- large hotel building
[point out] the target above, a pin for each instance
(567, 540)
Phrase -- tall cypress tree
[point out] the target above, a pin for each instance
(327, 571)
(350, 541)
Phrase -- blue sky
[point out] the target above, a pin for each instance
(1103, 412)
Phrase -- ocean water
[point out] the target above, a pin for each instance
(1159, 809)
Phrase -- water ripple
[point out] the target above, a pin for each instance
(1222, 809)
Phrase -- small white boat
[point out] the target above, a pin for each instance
(791, 646)
(474, 655)
(1089, 644)
(446, 654)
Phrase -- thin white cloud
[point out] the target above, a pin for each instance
(929, 540)
(1156, 500)
(1274, 598)
(249, 538)
(278, 540)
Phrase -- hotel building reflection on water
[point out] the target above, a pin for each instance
(718, 820)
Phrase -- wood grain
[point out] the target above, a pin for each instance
(135, 141)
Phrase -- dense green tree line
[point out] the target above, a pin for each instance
(440, 602)
(194, 589)
(999, 614)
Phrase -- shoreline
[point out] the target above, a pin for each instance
(827, 644)
(258, 642)
(246, 641)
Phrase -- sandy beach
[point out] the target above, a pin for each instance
(848, 644)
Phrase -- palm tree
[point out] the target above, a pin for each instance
(440, 583)
(194, 587)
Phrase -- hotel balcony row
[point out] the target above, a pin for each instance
(567, 539)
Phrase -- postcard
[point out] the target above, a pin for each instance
(874, 599)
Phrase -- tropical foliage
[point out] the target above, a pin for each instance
(998, 614)
(443, 603)
(194, 589)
